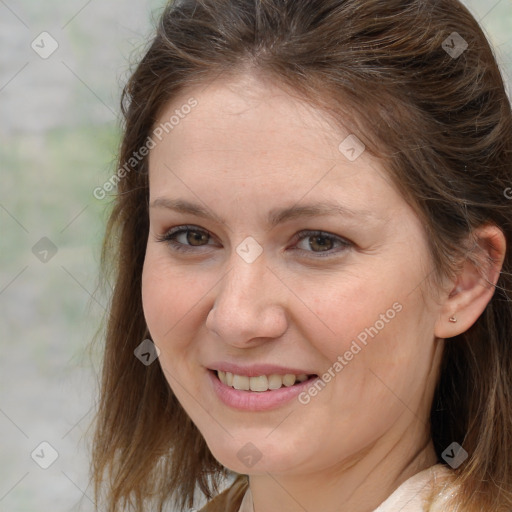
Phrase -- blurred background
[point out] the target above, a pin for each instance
(62, 66)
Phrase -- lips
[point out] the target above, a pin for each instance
(256, 400)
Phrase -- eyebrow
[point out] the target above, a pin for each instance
(275, 216)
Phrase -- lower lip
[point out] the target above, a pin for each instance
(256, 400)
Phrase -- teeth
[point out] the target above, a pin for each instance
(289, 380)
(241, 382)
(260, 383)
(275, 381)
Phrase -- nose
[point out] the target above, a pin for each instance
(249, 306)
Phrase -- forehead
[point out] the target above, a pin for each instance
(254, 136)
(257, 116)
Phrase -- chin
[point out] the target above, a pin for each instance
(253, 457)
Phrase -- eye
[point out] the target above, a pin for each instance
(184, 238)
(320, 243)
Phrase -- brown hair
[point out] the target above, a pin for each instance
(442, 125)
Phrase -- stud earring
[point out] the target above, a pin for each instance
(453, 319)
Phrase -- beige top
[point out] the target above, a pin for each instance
(409, 497)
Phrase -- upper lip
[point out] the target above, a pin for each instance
(255, 370)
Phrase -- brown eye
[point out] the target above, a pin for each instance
(321, 243)
(196, 238)
(184, 238)
(318, 242)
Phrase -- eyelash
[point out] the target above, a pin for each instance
(169, 238)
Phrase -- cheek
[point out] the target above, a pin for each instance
(169, 294)
(174, 299)
(373, 322)
(166, 295)
(343, 309)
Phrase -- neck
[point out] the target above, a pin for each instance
(360, 484)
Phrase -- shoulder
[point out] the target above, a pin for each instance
(230, 499)
(424, 491)
(414, 495)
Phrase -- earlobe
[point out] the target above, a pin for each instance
(475, 284)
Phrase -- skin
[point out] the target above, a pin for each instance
(249, 147)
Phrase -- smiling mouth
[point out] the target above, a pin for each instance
(261, 383)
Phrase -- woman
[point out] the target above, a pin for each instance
(309, 244)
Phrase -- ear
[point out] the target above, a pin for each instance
(469, 293)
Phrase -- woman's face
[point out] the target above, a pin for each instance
(300, 258)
